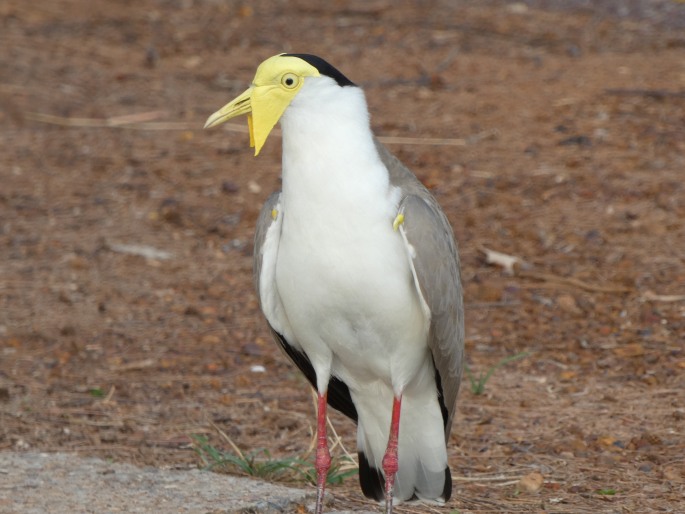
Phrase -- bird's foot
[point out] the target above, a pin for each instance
(320, 493)
(390, 466)
(322, 464)
(388, 503)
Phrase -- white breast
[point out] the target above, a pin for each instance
(342, 272)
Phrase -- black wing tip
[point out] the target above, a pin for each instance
(441, 400)
(340, 399)
(325, 68)
(339, 396)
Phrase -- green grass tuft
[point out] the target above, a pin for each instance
(259, 463)
(478, 384)
(97, 392)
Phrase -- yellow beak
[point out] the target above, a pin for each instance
(264, 105)
(236, 107)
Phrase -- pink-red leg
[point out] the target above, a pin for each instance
(391, 462)
(323, 456)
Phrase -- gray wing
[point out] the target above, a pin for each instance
(436, 263)
(264, 221)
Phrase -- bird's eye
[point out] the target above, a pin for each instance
(289, 80)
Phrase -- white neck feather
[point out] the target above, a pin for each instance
(330, 163)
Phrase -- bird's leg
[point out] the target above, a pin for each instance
(391, 462)
(323, 456)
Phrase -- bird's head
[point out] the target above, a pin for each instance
(276, 83)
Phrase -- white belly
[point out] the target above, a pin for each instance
(352, 304)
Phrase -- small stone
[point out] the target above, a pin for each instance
(567, 303)
(229, 187)
(253, 187)
(531, 483)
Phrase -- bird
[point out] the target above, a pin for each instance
(357, 273)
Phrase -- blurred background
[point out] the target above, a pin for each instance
(552, 132)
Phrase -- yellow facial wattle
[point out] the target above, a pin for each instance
(277, 81)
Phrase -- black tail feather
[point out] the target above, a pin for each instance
(373, 483)
(370, 479)
(447, 491)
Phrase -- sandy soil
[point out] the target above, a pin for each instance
(128, 322)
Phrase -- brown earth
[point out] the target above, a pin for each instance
(567, 150)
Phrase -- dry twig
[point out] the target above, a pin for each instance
(143, 121)
(658, 94)
(431, 141)
(651, 296)
(225, 436)
(574, 282)
(338, 442)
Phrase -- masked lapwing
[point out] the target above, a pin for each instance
(357, 274)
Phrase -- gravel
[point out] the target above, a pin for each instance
(57, 483)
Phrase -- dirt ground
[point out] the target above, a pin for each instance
(128, 321)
